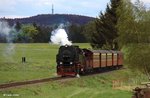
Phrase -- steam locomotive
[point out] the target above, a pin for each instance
(72, 60)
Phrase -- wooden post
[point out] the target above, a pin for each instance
(23, 59)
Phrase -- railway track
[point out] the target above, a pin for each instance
(29, 82)
(23, 83)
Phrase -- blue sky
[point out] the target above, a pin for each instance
(25, 8)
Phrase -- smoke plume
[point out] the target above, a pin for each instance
(4, 28)
(8, 33)
(59, 36)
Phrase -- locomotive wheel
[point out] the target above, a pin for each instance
(117, 67)
(63, 76)
(134, 96)
(82, 72)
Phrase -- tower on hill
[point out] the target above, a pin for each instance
(52, 9)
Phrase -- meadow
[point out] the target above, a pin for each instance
(41, 63)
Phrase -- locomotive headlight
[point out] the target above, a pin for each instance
(71, 62)
(60, 63)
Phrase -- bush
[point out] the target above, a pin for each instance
(137, 57)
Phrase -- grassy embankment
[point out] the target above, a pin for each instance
(41, 64)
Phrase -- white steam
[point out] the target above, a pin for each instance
(7, 32)
(59, 36)
(4, 28)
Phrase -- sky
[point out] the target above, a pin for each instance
(26, 8)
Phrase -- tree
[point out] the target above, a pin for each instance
(106, 31)
(88, 30)
(18, 26)
(43, 35)
(133, 24)
(75, 33)
(27, 33)
(134, 37)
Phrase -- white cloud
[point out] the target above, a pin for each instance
(13, 16)
(46, 2)
(7, 5)
(88, 4)
(146, 1)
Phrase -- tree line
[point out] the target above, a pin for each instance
(34, 33)
(124, 26)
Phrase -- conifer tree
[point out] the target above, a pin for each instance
(106, 30)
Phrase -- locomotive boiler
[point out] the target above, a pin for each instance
(72, 60)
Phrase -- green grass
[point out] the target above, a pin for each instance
(40, 61)
(41, 64)
(97, 86)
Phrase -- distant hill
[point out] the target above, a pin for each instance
(52, 19)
